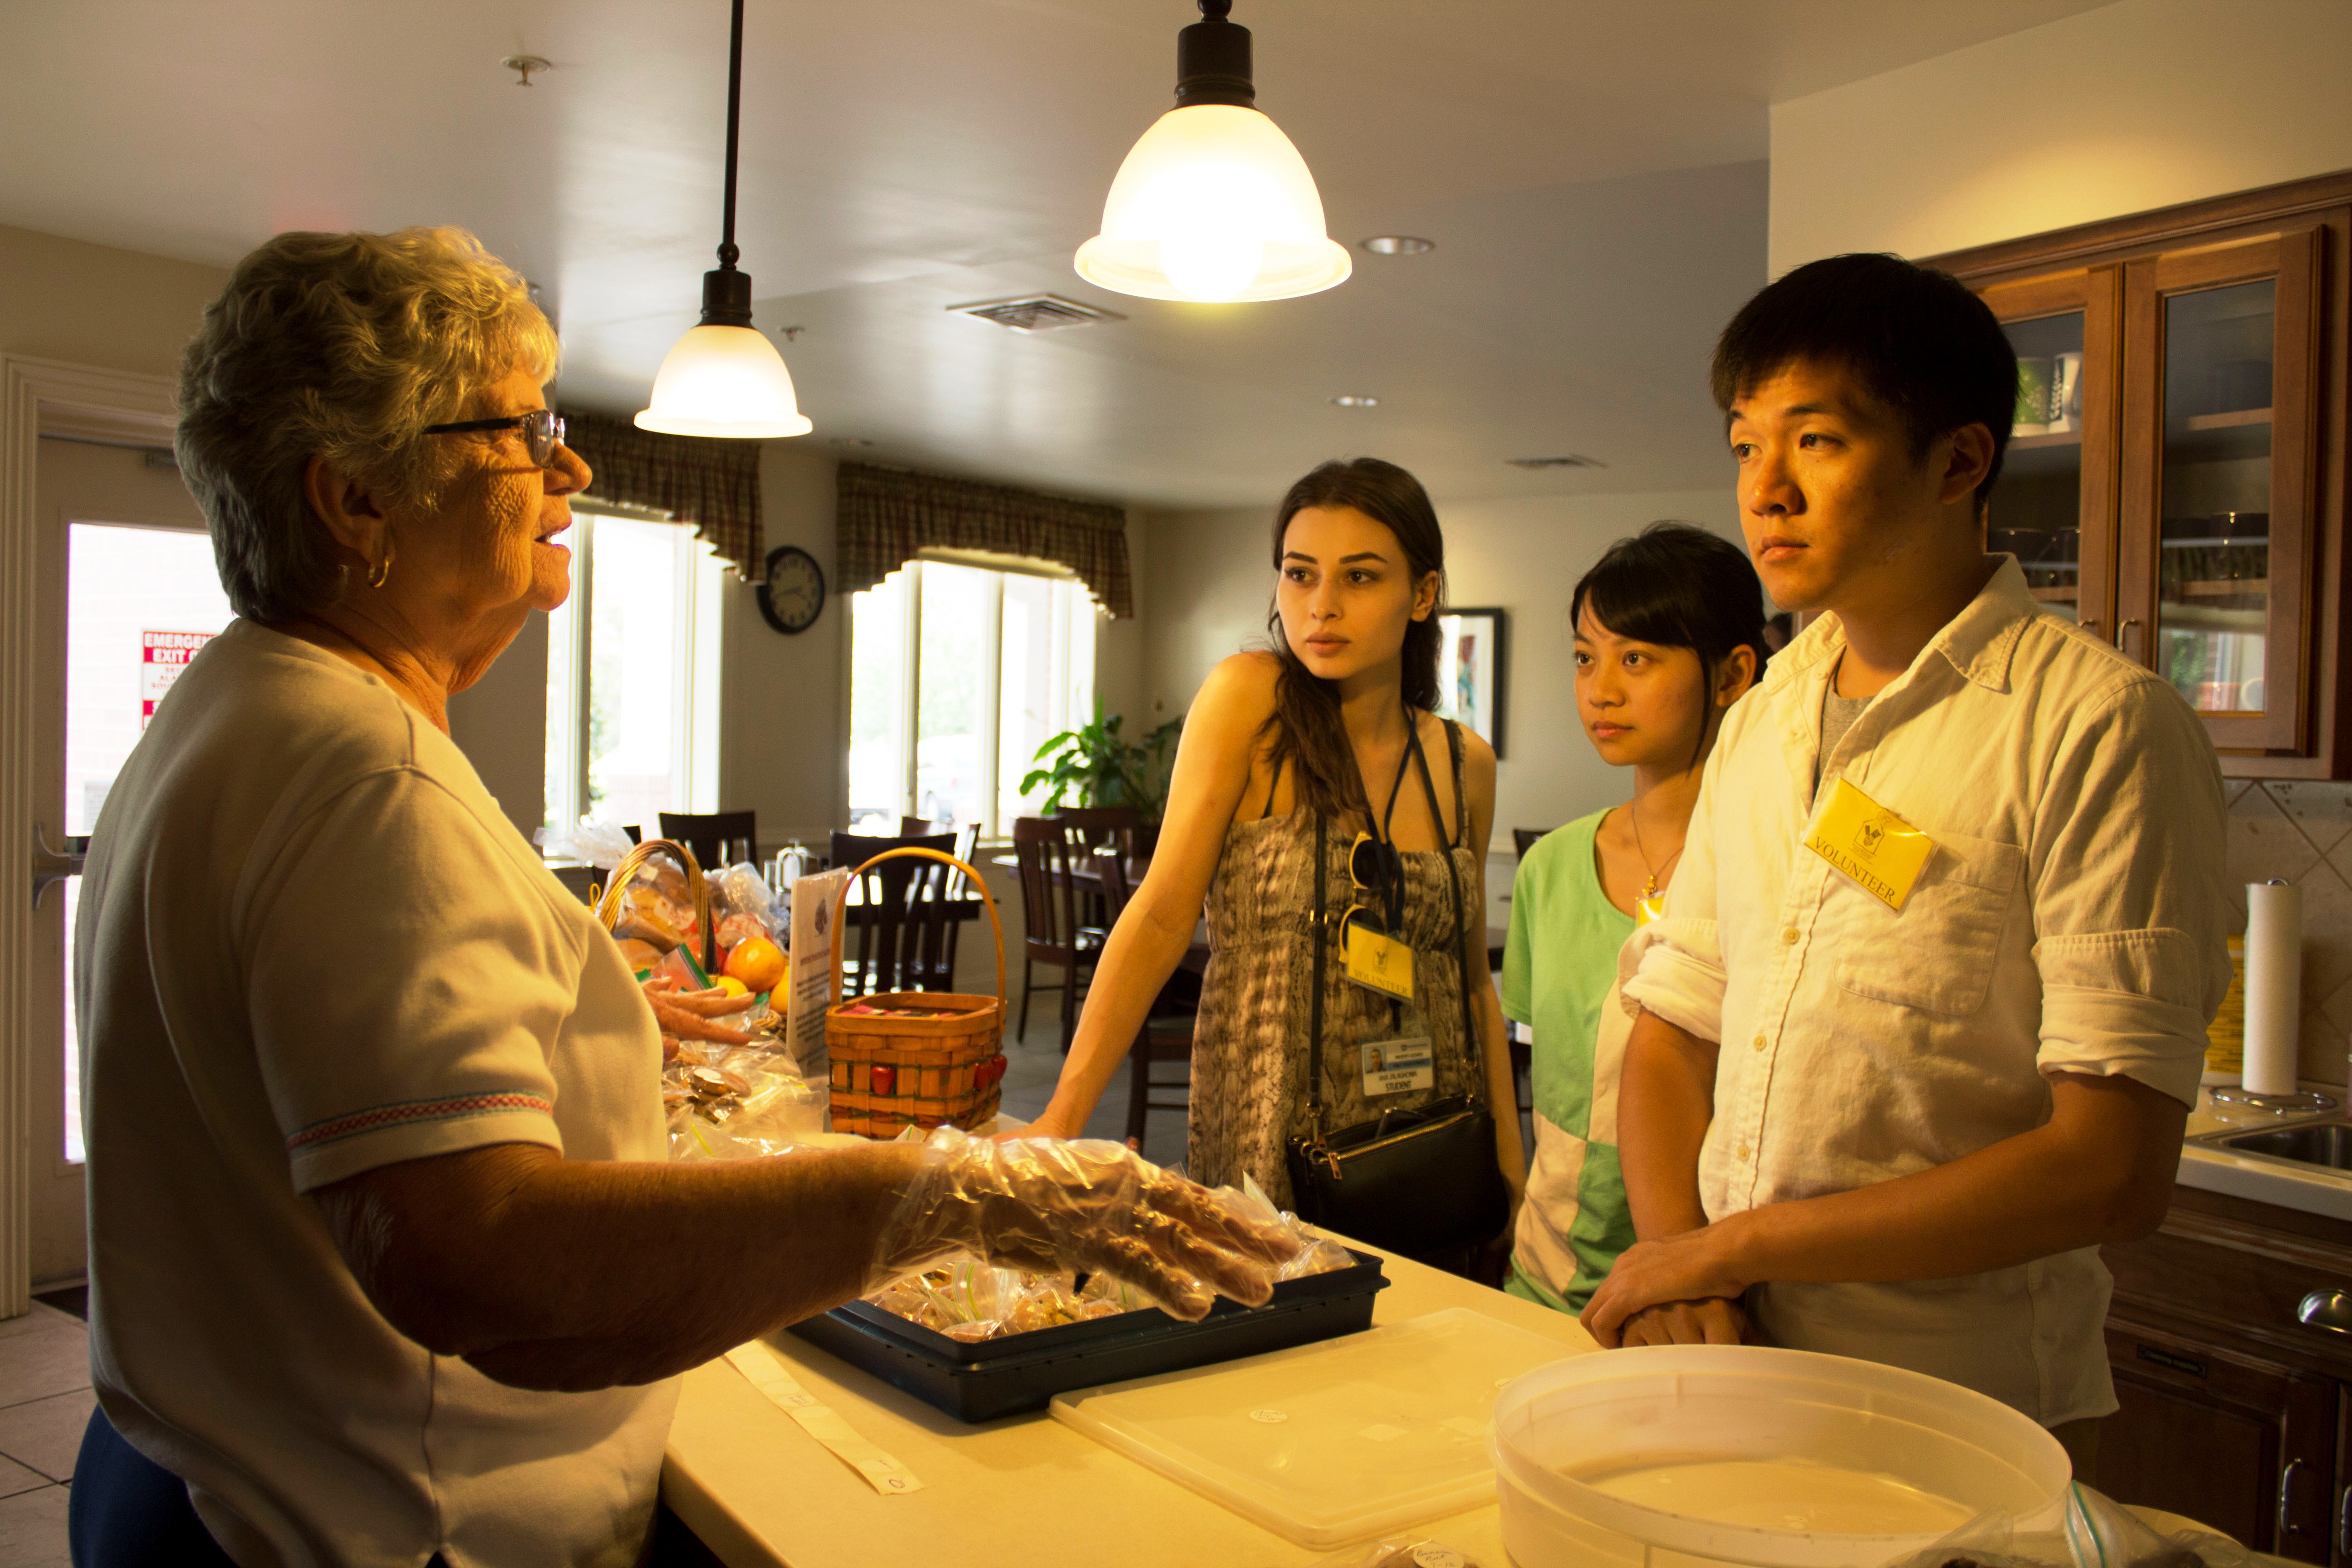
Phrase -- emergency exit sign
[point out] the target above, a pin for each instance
(161, 656)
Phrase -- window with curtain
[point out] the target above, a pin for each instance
(959, 671)
(633, 673)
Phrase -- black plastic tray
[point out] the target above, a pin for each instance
(1017, 1374)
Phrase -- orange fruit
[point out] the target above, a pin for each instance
(733, 986)
(758, 962)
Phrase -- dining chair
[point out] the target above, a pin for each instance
(708, 834)
(900, 917)
(1092, 828)
(1052, 933)
(1167, 1032)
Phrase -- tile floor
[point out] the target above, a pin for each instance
(44, 1402)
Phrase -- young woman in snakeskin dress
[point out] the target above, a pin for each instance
(1334, 718)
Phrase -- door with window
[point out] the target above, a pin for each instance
(128, 594)
(2218, 495)
(2053, 507)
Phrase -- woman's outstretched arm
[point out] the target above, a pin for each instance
(1153, 932)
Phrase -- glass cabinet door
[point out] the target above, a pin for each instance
(2223, 411)
(2053, 506)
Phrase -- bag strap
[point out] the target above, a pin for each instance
(1453, 883)
(1315, 998)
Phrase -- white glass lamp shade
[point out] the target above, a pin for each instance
(1213, 203)
(724, 381)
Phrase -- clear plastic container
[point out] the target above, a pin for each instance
(1663, 1457)
(1334, 1443)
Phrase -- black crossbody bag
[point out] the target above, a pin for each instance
(1420, 1181)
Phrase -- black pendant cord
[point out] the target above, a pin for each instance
(728, 254)
(726, 291)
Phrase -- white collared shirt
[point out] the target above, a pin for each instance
(2070, 919)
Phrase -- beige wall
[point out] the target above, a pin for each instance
(1211, 581)
(2137, 105)
(91, 304)
(784, 700)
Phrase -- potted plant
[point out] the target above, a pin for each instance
(1095, 765)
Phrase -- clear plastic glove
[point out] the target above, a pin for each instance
(1049, 1205)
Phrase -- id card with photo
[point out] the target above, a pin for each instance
(1378, 961)
(1392, 1067)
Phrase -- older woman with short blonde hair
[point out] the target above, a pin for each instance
(384, 1268)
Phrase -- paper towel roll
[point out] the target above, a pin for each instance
(2274, 986)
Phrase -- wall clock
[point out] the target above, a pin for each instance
(794, 594)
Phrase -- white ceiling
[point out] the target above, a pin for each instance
(1593, 172)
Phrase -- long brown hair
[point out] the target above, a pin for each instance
(1305, 727)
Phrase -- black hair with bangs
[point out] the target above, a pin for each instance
(1677, 585)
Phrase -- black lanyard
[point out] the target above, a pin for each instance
(1392, 861)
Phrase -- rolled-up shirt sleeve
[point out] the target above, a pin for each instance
(2128, 903)
(405, 1000)
(1674, 965)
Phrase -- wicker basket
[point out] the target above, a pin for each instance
(608, 902)
(890, 1074)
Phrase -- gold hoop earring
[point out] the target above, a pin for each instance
(381, 571)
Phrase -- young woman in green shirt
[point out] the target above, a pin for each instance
(1669, 634)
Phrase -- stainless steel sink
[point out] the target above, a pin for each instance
(2328, 1144)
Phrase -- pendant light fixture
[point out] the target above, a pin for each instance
(724, 377)
(1213, 203)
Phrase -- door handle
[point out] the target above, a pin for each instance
(2286, 1493)
(51, 864)
(2328, 1310)
(2121, 629)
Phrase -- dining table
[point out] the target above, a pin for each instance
(1088, 878)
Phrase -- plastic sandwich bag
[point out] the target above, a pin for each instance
(601, 844)
(2096, 1531)
(736, 1102)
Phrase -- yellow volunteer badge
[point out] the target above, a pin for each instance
(1378, 961)
(1878, 850)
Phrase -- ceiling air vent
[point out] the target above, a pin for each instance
(1036, 312)
(1571, 461)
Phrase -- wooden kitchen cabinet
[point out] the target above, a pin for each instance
(2176, 479)
(2232, 1411)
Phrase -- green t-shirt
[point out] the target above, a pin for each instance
(1559, 976)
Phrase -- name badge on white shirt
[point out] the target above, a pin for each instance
(1392, 1067)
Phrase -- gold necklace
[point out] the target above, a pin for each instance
(1649, 887)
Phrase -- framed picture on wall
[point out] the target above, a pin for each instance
(1472, 671)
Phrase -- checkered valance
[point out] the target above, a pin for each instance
(712, 484)
(887, 516)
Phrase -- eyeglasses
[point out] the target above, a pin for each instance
(543, 431)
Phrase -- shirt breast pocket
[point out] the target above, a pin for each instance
(1936, 953)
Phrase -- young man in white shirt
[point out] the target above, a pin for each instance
(1922, 1022)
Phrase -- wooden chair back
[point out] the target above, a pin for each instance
(1049, 902)
(900, 917)
(706, 833)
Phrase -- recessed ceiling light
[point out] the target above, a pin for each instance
(1356, 400)
(1398, 245)
(1566, 460)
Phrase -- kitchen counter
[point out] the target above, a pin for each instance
(1002, 1494)
(2309, 1189)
